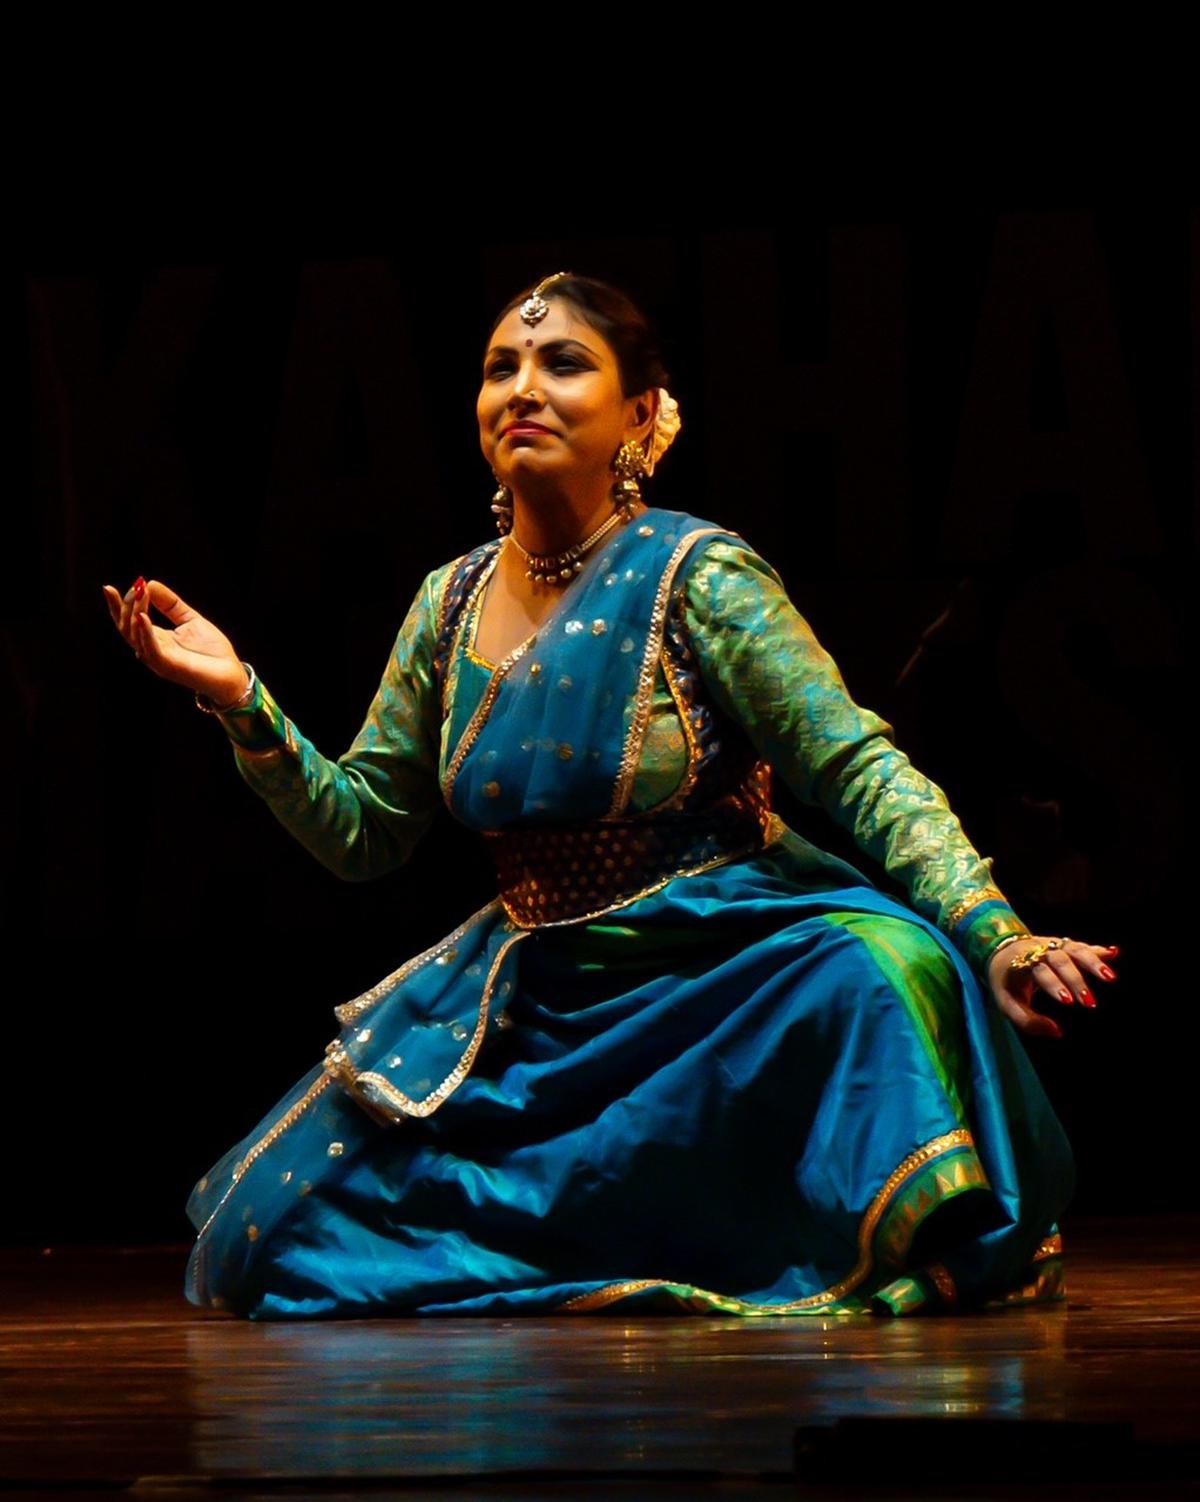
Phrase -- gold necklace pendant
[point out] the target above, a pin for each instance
(561, 568)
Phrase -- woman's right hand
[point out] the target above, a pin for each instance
(192, 653)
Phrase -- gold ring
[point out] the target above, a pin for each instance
(1030, 958)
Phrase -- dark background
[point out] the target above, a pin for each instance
(967, 439)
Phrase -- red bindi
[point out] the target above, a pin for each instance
(528, 343)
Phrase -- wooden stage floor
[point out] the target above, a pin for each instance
(111, 1383)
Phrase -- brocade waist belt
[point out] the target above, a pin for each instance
(561, 873)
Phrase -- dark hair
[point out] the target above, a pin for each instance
(618, 319)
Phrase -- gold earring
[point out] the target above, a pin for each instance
(502, 506)
(629, 464)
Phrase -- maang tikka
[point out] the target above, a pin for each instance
(535, 307)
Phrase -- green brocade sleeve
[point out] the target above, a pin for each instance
(767, 671)
(362, 814)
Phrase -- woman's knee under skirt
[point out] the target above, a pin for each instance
(731, 1098)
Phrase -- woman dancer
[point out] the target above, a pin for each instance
(684, 1060)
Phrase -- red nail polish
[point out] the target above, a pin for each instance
(1088, 999)
(1107, 973)
(139, 587)
(1113, 949)
(1065, 996)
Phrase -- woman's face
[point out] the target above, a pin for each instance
(562, 376)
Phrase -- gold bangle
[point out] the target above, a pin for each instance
(206, 704)
(1011, 939)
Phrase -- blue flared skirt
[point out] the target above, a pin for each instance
(765, 1089)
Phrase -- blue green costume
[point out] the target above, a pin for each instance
(685, 1061)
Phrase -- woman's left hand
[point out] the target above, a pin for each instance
(1062, 972)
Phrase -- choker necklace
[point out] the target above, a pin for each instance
(558, 568)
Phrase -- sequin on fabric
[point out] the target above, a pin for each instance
(741, 676)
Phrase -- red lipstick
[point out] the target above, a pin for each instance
(524, 427)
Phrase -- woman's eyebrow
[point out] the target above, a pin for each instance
(550, 344)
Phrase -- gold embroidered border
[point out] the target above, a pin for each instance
(623, 787)
(463, 619)
(479, 719)
(351, 1011)
(963, 907)
(472, 631)
(688, 781)
(451, 570)
(479, 661)
(342, 1066)
(959, 1137)
(289, 1117)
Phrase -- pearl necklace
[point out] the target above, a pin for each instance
(558, 568)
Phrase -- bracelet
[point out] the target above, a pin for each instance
(996, 948)
(206, 704)
(1012, 939)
